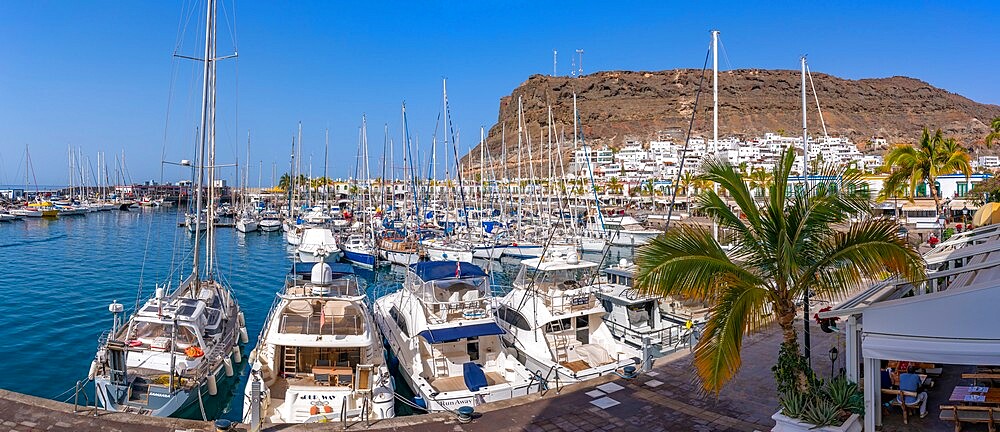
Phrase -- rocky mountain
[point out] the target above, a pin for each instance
(620, 105)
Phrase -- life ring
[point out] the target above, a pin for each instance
(193, 352)
(134, 343)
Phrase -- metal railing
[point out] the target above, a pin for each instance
(666, 337)
(322, 324)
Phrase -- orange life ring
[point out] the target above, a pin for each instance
(193, 352)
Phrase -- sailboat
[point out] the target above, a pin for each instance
(178, 353)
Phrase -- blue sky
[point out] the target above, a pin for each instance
(99, 75)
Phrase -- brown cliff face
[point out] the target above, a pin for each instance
(617, 106)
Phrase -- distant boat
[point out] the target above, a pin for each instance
(270, 221)
(318, 244)
(359, 251)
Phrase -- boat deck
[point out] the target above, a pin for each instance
(576, 365)
(457, 383)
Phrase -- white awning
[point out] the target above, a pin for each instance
(931, 350)
(956, 326)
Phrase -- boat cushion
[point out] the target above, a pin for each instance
(475, 379)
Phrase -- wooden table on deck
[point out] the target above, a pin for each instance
(960, 392)
(336, 372)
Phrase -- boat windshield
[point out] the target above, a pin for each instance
(157, 334)
(561, 279)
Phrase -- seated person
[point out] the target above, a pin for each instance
(910, 382)
(886, 375)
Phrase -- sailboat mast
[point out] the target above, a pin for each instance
(715, 115)
(210, 144)
(805, 137)
(203, 141)
(326, 160)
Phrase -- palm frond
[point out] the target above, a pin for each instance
(867, 251)
(741, 309)
(689, 262)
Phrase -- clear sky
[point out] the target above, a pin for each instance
(99, 75)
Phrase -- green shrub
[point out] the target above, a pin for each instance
(793, 405)
(821, 413)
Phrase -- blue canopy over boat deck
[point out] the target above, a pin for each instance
(434, 270)
(451, 334)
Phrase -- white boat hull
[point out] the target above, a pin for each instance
(436, 254)
(632, 238)
(401, 258)
(245, 226)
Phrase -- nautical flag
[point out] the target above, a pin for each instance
(458, 269)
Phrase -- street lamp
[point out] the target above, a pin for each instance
(965, 215)
(833, 359)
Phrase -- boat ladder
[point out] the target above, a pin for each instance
(291, 361)
(560, 343)
(440, 364)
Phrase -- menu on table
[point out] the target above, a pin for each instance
(978, 389)
(975, 398)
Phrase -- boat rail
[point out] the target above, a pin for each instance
(213, 357)
(672, 336)
(340, 325)
(563, 303)
(447, 311)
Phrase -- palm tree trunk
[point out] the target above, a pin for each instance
(934, 195)
(785, 312)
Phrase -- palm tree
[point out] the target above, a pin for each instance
(686, 181)
(933, 155)
(759, 179)
(284, 182)
(782, 248)
(994, 132)
(614, 186)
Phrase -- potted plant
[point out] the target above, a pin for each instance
(809, 404)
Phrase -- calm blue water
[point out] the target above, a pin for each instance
(58, 276)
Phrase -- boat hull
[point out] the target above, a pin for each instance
(246, 226)
(360, 259)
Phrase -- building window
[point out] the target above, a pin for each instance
(963, 188)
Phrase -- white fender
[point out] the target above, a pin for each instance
(93, 370)
(242, 319)
(226, 363)
(244, 337)
(213, 387)
(237, 355)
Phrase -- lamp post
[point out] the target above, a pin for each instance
(833, 360)
(965, 215)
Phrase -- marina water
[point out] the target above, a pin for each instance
(58, 276)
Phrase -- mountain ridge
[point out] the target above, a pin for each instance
(616, 106)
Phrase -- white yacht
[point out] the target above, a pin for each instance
(633, 316)
(555, 322)
(318, 244)
(270, 221)
(442, 330)
(622, 230)
(319, 357)
(247, 222)
(447, 249)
